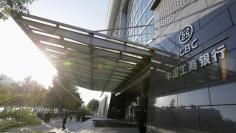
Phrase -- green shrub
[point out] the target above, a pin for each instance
(18, 119)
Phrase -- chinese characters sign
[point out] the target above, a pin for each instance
(202, 61)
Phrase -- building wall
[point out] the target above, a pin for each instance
(133, 21)
(201, 100)
(103, 107)
(138, 15)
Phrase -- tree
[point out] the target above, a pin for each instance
(28, 93)
(63, 95)
(93, 105)
(34, 93)
(7, 7)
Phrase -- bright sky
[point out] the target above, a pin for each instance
(20, 57)
(87, 95)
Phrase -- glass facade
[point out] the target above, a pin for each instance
(139, 14)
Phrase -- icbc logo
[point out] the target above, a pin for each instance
(184, 37)
(186, 34)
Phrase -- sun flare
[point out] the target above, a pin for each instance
(20, 58)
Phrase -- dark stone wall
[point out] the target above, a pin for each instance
(202, 100)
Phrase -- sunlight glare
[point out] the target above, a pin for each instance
(88, 95)
(20, 58)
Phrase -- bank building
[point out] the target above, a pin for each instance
(172, 60)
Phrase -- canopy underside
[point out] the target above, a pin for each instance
(94, 61)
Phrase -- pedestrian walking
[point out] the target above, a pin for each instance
(64, 121)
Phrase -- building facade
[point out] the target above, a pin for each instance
(191, 87)
(134, 13)
(103, 106)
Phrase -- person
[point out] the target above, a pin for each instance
(83, 117)
(78, 117)
(71, 117)
(47, 117)
(140, 117)
(64, 121)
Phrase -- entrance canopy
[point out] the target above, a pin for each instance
(94, 61)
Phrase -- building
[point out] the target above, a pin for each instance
(190, 86)
(103, 106)
(176, 72)
(125, 13)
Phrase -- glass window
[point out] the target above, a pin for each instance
(131, 31)
(201, 75)
(142, 38)
(135, 20)
(188, 118)
(156, 86)
(163, 115)
(145, 2)
(139, 39)
(168, 101)
(139, 15)
(135, 32)
(212, 71)
(189, 130)
(149, 12)
(139, 28)
(132, 38)
(218, 119)
(173, 117)
(166, 129)
(149, 29)
(175, 84)
(144, 35)
(166, 120)
(144, 19)
(194, 97)
(228, 65)
(151, 112)
(223, 92)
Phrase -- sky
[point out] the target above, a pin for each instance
(89, 14)
(20, 58)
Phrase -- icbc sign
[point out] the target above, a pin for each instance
(186, 34)
(193, 64)
(184, 37)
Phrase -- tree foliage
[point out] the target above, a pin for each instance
(93, 105)
(27, 93)
(8, 6)
(63, 95)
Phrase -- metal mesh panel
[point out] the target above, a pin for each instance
(168, 9)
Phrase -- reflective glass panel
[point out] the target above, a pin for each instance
(223, 92)
(194, 98)
(218, 119)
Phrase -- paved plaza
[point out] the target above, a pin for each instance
(55, 126)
